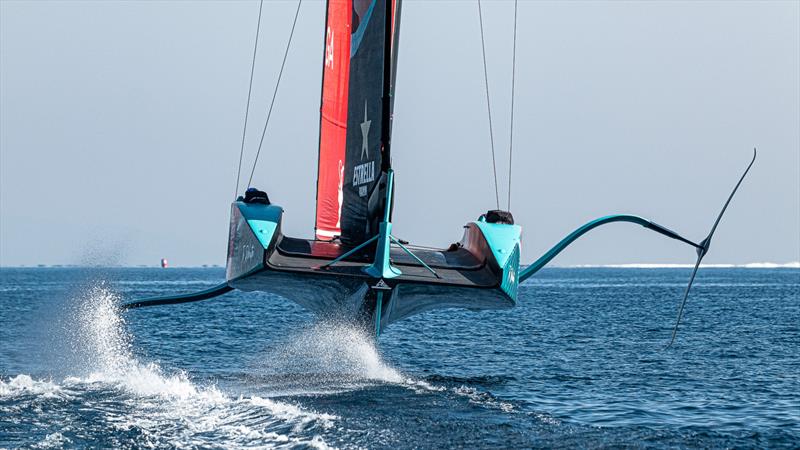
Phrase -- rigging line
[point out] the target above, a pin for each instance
(488, 106)
(275, 92)
(513, 81)
(249, 92)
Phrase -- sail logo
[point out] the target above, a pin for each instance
(363, 174)
(365, 134)
(329, 50)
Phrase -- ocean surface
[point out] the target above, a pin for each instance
(580, 362)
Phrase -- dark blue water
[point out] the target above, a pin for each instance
(579, 363)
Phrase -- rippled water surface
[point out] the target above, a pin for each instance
(579, 363)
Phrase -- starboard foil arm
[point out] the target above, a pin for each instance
(704, 246)
(701, 248)
(215, 291)
(589, 226)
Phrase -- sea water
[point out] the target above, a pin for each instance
(580, 362)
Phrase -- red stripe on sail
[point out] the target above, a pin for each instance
(333, 119)
(394, 21)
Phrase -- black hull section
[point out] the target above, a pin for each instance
(474, 274)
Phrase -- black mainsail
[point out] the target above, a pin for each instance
(356, 108)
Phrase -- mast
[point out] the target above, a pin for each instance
(386, 114)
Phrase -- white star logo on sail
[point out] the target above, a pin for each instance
(365, 134)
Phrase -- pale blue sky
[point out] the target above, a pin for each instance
(120, 125)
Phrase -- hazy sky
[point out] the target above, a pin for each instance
(120, 125)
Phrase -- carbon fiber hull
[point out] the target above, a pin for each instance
(467, 275)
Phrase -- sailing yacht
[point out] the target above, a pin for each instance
(354, 267)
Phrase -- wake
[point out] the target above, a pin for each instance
(159, 408)
(143, 404)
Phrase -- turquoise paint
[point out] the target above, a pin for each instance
(389, 186)
(558, 248)
(250, 211)
(502, 238)
(504, 243)
(263, 230)
(262, 219)
(510, 283)
(378, 307)
(358, 36)
(381, 267)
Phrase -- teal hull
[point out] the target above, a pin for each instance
(479, 272)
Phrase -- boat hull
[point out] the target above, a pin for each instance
(478, 273)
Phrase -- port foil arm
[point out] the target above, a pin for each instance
(215, 291)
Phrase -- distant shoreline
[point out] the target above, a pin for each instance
(760, 265)
(757, 265)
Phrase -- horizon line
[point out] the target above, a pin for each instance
(752, 265)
